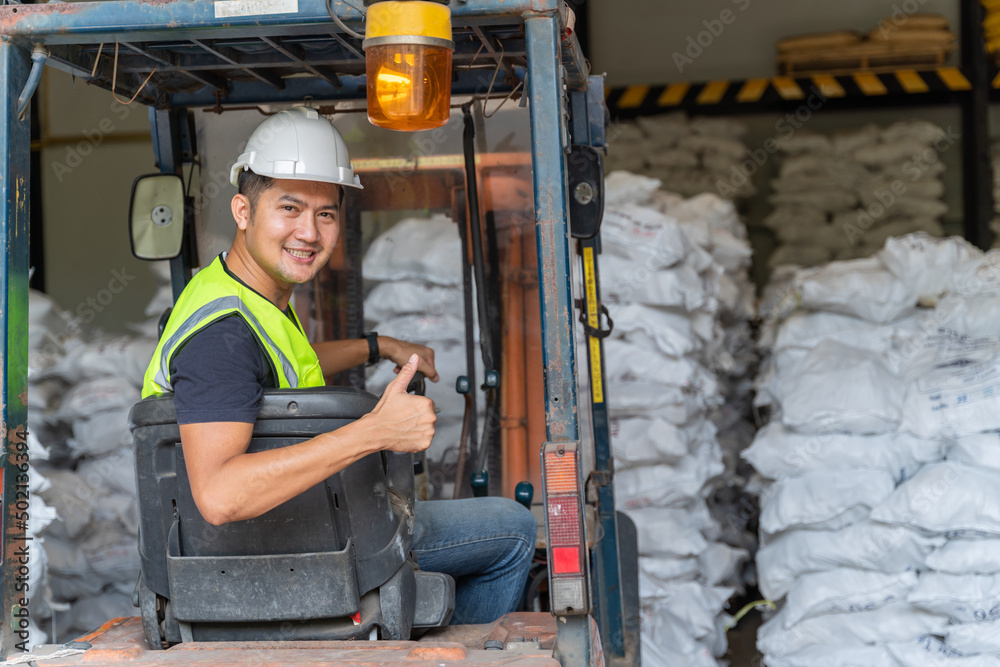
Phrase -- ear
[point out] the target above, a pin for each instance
(241, 211)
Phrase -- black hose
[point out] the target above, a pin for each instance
(483, 290)
(468, 442)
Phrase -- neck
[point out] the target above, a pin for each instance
(238, 261)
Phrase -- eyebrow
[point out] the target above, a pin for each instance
(295, 200)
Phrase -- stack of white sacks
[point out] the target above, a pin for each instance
(673, 272)
(689, 157)
(418, 298)
(81, 384)
(880, 508)
(841, 196)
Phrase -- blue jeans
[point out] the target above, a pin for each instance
(485, 544)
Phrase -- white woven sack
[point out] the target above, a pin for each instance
(643, 235)
(622, 187)
(821, 495)
(645, 440)
(967, 557)
(928, 264)
(427, 249)
(844, 590)
(721, 564)
(672, 333)
(825, 656)
(403, 297)
(629, 281)
(982, 637)
(807, 329)
(896, 622)
(692, 606)
(626, 362)
(673, 404)
(665, 485)
(981, 450)
(838, 388)
(667, 533)
(778, 452)
(666, 643)
(866, 545)
(948, 498)
(97, 395)
(968, 598)
(863, 288)
(932, 652)
(655, 572)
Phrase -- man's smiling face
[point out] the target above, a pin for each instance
(292, 230)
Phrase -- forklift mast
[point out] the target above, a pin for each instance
(175, 56)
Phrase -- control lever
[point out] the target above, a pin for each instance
(523, 493)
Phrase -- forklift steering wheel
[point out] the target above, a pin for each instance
(418, 385)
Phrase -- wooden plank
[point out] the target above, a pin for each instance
(866, 57)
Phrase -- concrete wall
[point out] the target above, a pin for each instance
(92, 149)
(635, 41)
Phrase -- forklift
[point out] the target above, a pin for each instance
(189, 56)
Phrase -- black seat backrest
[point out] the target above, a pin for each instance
(319, 520)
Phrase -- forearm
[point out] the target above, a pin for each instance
(336, 356)
(250, 484)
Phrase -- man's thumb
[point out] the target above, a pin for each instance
(406, 373)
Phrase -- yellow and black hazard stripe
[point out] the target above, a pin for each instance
(776, 91)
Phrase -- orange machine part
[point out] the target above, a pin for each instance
(534, 381)
(513, 409)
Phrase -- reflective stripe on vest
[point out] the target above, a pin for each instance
(221, 307)
(212, 295)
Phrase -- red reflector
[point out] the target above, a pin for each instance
(564, 520)
(565, 560)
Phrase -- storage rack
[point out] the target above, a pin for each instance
(972, 88)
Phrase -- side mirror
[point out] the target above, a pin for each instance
(156, 216)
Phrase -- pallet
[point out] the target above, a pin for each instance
(864, 57)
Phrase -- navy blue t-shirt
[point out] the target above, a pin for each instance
(220, 373)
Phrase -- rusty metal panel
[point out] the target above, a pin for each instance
(15, 140)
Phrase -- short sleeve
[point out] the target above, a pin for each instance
(219, 374)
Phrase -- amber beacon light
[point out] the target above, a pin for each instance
(408, 49)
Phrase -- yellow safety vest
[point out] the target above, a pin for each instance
(213, 294)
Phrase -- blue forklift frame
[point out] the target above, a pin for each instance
(189, 39)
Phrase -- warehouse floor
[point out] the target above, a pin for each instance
(743, 638)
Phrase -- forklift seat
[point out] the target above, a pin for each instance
(331, 563)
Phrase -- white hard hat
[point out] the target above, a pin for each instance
(298, 144)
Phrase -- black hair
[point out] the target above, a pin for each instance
(252, 186)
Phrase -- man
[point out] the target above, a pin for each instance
(233, 333)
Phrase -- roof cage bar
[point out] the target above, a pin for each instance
(322, 72)
(262, 62)
(96, 22)
(232, 57)
(206, 79)
(486, 42)
(347, 45)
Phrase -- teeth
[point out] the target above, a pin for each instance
(303, 254)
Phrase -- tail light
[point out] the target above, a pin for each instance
(566, 539)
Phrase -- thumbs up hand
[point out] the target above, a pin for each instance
(404, 423)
